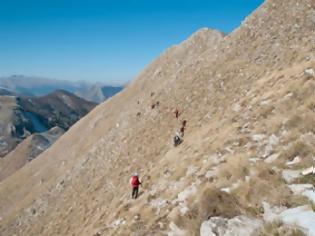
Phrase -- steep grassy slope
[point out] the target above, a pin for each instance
(246, 97)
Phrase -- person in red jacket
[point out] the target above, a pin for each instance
(135, 183)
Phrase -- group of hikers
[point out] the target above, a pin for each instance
(178, 139)
(179, 135)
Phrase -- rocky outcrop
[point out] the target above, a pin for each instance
(237, 226)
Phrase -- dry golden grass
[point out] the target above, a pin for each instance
(279, 229)
(253, 192)
(297, 148)
(102, 150)
(208, 203)
(235, 168)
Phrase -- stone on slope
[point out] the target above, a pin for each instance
(237, 226)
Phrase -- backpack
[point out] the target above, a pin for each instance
(134, 181)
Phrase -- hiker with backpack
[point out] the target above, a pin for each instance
(176, 112)
(179, 135)
(135, 183)
(177, 139)
(182, 129)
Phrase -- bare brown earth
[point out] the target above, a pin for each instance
(237, 92)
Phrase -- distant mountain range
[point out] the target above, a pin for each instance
(37, 86)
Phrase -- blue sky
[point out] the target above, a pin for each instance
(103, 40)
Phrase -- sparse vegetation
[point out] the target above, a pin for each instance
(279, 229)
(237, 94)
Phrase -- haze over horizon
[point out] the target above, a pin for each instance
(100, 41)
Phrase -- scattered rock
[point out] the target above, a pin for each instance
(191, 170)
(272, 158)
(115, 224)
(296, 160)
(210, 174)
(309, 171)
(302, 216)
(237, 226)
(233, 187)
(272, 141)
(271, 213)
(258, 137)
(290, 175)
(184, 195)
(183, 209)
(309, 73)
(175, 231)
(158, 204)
(236, 107)
(306, 190)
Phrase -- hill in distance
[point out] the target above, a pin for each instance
(22, 116)
(248, 98)
(37, 86)
(28, 150)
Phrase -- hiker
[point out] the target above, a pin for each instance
(135, 183)
(176, 112)
(182, 131)
(177, 139)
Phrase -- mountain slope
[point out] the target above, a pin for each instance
(13, 124)
(27, 150)
(5, 92)
(59, 108)
(22, 116)
(246, 96)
